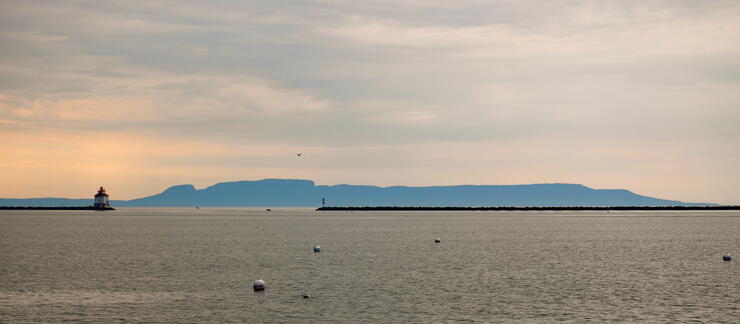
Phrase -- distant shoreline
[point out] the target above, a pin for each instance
(54, 208)
(571, 208)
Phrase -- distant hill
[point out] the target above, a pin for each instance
(45, 202)
(286, 192)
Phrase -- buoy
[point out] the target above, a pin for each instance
(316, 249)
(727, 257)
(259, 285)
(437, 240)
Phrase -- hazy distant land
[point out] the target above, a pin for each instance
(295, 193)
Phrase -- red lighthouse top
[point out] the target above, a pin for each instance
(101, 192)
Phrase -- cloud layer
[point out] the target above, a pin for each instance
(138, 96)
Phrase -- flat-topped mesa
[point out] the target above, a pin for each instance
(303, 193)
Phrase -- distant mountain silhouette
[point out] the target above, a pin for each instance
(286, 192)
(46, 202)
(268, 192)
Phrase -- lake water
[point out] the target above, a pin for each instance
(182, 265)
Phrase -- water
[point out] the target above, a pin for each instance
(197, 266)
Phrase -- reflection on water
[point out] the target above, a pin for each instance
(188, 265)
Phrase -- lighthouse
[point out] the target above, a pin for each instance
(101, 200)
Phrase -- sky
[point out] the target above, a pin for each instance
(137, 96)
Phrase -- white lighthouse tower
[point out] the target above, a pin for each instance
(101, 199)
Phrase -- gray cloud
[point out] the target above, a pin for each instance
(356, 75)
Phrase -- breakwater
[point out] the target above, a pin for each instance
(556, 208)
(54, 208)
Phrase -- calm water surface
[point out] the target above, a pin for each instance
(196, 266)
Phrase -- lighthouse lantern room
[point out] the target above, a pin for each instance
(101, 199)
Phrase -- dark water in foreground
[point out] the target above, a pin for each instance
(194, 266)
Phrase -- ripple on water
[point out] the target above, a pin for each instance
(156, 265)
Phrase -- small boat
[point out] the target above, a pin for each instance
(437, 240)
(316, 249)
(727, 257)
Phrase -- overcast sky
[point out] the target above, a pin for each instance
(641, 95)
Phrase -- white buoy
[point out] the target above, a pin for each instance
(437, 240)
(316, 249)
(727, 257)
(259, 285)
